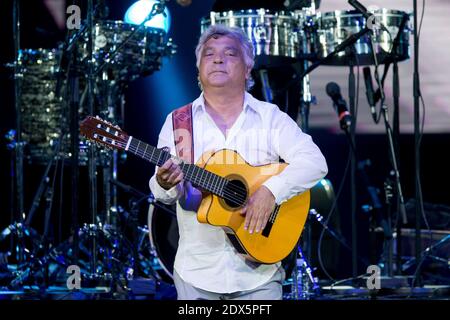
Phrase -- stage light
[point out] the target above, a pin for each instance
(139, 10)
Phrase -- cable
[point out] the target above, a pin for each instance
(419, 183)
(347, 166)
(333, 206)
(348, 279)
(423, 117)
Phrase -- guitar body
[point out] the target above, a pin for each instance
(271, 247)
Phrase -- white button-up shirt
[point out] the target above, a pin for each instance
(261, 134)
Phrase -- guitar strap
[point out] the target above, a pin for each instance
(183, 133)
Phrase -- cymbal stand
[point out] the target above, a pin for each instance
(111, 100)
(18, 227)
(19, 144)
(36, 258)
(93, 230)
(158, 8)
(92, 160)
(111, 90)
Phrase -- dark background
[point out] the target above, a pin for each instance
(149, 99)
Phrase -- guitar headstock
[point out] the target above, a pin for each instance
(103, 133)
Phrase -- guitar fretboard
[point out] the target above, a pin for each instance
(193, 173)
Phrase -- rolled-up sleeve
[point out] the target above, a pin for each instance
(166, 139)
(306, 163)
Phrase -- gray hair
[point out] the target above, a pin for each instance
(234, 33)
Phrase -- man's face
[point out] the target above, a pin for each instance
(222, 64)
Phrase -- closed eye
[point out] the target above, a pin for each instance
(231, 53)
(207, 53)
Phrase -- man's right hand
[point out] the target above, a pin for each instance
(169, 174)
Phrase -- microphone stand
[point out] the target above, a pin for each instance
(392, 146)
(418, 192)
(352, 134)
(393, 58)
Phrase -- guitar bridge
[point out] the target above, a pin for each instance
(269, 225)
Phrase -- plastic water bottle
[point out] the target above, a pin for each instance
(298, 281)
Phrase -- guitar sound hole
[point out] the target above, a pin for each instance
(235, 193)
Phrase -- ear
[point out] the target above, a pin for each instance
(248, 72)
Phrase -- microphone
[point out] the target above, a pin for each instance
(369, 91)
(345, 118)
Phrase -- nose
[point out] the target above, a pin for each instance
(218, 58)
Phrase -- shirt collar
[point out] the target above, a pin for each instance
(249, 103)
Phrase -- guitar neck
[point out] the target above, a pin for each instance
(193, 173)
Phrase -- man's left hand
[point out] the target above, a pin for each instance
(258, 209)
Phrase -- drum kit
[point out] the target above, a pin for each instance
(122, 53)
(54, 88)
(44, 110)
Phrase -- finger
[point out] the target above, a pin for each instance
(264, 223)
(248, 217)
(243, 210)
(260, 222)
(164, 168)
(174, 169)
(253, 220)
(167, 165)
(163, 175)
(173, 176)
(178, 178)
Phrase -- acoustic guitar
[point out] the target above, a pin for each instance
(228, 181)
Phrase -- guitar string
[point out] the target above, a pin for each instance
(231, 191)
(228, 193)
(136, 150)
(235, 187)
(234, 193)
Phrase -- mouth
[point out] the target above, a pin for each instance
(217, 71)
